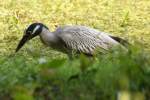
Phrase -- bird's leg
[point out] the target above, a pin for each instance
(72, 54)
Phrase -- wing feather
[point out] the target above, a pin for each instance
(85, 39)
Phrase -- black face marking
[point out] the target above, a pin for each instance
(32, 31)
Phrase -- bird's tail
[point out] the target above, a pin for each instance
(121, 41)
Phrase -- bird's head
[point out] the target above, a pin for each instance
(32, 31)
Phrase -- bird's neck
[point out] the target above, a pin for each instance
(48, 37)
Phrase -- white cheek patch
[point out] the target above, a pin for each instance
(35, 29)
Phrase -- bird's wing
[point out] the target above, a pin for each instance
(85, 39)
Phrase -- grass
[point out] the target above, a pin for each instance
(23, 76)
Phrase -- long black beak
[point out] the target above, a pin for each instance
(24, 39)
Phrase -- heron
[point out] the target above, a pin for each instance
(72, 38)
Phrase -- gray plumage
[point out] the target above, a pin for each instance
(73, 38)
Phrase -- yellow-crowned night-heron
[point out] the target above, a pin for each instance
(77, 38)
